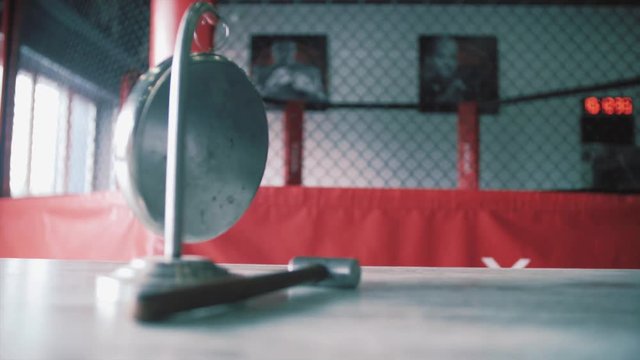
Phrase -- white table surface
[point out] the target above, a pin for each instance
(48, 310)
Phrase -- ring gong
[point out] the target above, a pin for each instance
(225, 146)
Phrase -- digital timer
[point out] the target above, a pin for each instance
(608, 120)
(608, 106)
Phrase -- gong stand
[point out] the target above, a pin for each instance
(161, 286)
(173, 270)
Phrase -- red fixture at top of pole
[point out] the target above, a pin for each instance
(165, 20)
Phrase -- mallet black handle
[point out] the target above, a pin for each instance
(153, 304)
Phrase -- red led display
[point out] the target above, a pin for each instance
(592, 105)
(608, 106)
(608, 120)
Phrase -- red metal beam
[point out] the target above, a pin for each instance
(468, 146)
(293, 135)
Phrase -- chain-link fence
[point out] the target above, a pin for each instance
(373, 134)
(388, 76)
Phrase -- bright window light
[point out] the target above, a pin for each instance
(53, 140)
(45, 129)
(21, 135)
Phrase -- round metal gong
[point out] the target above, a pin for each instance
(224, 146)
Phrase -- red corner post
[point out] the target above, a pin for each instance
(293, 134)
(165, 20)
(126, 84)
(468, 146)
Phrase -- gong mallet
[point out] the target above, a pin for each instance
(156, 304)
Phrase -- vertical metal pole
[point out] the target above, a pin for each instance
(68, 145)
(34, 81)
(178, 93)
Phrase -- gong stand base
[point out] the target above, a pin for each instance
(156, 273)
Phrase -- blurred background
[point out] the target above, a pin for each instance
(76, 59)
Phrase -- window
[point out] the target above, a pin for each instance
(53, 139)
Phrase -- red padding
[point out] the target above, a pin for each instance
(380, 227)
(96, 227)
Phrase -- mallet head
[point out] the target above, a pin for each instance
(343, 272)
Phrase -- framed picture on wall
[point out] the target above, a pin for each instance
(290, 68)
(458, 68)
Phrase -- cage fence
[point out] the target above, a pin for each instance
(376, 135)
(373, 68)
